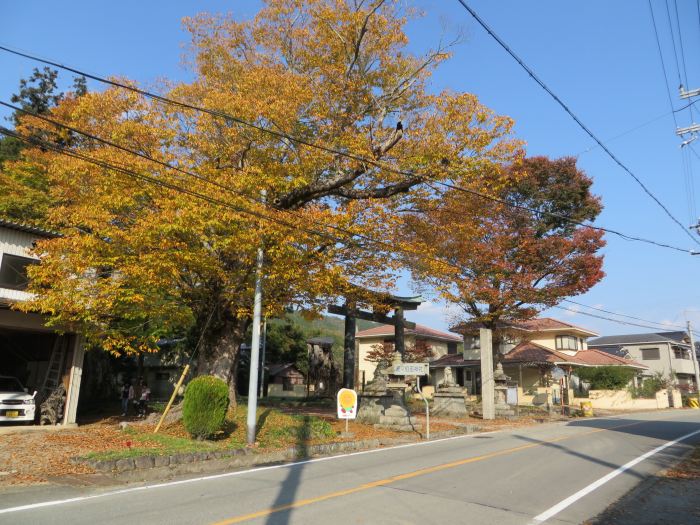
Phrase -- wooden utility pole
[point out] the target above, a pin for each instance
(488, 402)
(399, 343)
(349, 347)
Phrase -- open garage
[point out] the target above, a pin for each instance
(44, 360)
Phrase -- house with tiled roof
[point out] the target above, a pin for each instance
(531, 353)
(441, 343)
(667, 353)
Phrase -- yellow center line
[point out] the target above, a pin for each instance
(420, 472)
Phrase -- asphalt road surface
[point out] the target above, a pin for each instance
(553, 473)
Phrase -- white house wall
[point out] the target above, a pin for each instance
(18, 243)
(665, 364)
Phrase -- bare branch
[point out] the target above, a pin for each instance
(378, 193)
(360, 37)
(389, 143)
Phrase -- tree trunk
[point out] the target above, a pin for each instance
(219, 356)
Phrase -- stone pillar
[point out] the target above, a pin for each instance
(487, 384)
(349, 348)
(75, 376)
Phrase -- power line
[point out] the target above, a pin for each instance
(628, 323)
(71, 153)
(680, 41)
(621, 315)
(663, 65)
(673, 41)
(643, 124)
(576, 119)
(686, 164)
(145, 178)
(188, 173)
(335, 151)
(558, 216)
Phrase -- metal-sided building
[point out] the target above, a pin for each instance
(41, 357)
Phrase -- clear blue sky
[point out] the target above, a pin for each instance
(599, 56)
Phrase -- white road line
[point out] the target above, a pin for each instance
(54, 503)
(556, 509)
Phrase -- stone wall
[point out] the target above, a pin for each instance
(623, 400)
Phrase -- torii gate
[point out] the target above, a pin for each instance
(351, 313)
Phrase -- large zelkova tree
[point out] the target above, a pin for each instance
(138, 261)
(505, 260)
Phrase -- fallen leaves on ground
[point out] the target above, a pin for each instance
(689, 468)
(37, 456)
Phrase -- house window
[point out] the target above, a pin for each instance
(451, 348)
(287, 385)
(681, 353)
(388, 345)
(567, 342)
(650, 354)
(13, 271)
(472, 342)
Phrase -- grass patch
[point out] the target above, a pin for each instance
(275, 429)
(140, 443)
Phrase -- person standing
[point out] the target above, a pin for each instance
(143, 401)
(136, 393)
(127, 394)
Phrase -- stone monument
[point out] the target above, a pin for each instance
(383, 406)
(449, 400)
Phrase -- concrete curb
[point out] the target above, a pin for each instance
(150, 467)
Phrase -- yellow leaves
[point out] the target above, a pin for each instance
(140, 259)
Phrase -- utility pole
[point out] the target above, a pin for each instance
(694, 357)
(255, 350)
(262, 360)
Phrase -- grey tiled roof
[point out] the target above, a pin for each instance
(630, 339)
(27, 228)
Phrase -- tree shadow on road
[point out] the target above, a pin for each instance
(659, 429)
(575, 453)
(283, 504)
(662, 429)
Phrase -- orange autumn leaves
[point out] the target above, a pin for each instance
(139, 261)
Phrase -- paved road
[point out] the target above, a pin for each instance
(554, 473)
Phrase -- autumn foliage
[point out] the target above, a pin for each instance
(508, 258)
(417, 352)
(174, 253)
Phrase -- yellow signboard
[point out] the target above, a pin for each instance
(347, 404)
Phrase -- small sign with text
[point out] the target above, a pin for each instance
(410, 369)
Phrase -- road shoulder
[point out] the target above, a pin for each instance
(668, 498)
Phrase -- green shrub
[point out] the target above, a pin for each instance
(205, 406)
(650, 386)
(606, 377)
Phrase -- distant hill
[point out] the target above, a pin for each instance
(327, 326)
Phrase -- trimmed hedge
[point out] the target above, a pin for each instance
(205, 406)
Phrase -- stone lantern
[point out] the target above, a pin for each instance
(500, 379)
